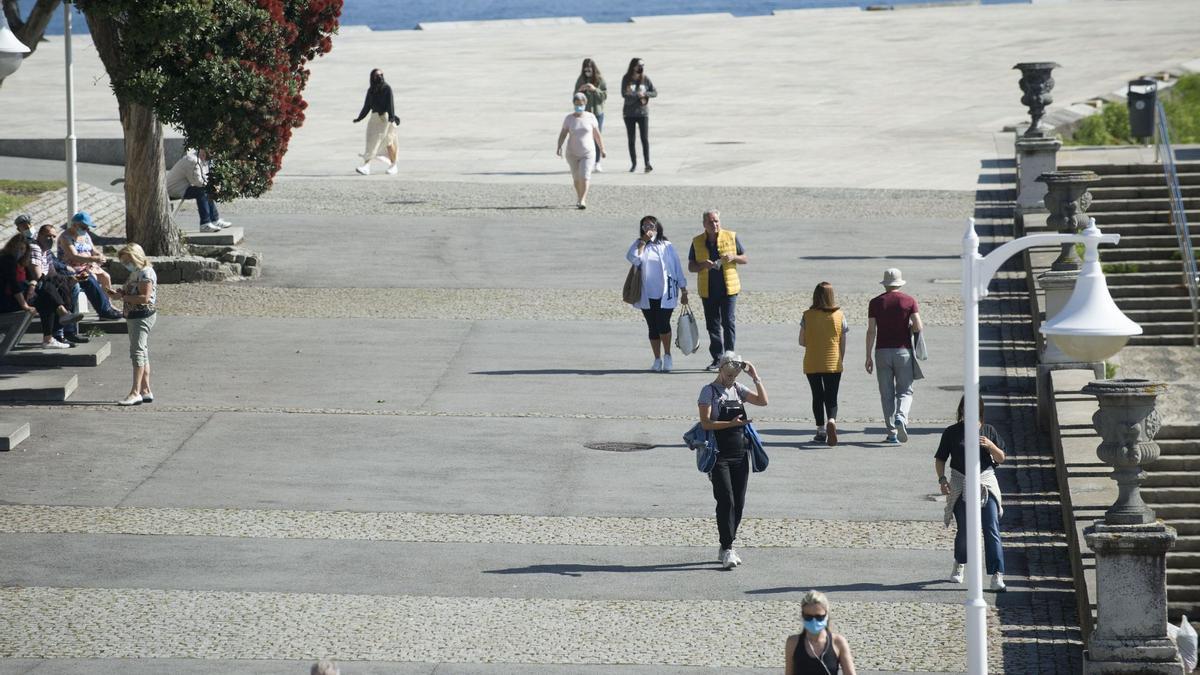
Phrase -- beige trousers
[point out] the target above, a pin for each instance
(380, 134)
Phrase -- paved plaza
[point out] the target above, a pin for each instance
(378, 451)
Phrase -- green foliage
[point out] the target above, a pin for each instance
(1120, 268)
(228, 73)
(1111, 125)
(1110, 369)
(15, 194)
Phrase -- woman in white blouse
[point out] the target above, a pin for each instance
(581, 131)
(664, 287)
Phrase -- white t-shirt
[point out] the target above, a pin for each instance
(579, 134)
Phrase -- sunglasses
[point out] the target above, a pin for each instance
(814, 617)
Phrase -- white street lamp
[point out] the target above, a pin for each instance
(72, 172)
(1090, 328)
(12, 50)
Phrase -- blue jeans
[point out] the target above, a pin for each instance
(60, 330)
(204, 204)
(993, 554)
(97, 296)
(720, 318)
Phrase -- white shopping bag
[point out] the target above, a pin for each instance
(687, 333)
(1186, 640)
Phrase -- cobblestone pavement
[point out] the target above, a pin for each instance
(1038, 619)
(137, 623)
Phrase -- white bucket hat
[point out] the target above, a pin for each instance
(892, 277)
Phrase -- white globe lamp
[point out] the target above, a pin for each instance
(12, 50)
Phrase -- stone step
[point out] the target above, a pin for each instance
(1173, 289)
(1176, 496)
(1186, 527)
(1173, 463)
(1164, 239)
(1144, 192)
(12, 433)
(1176, 609)
(1162, 215)
(104, 325)
(1188, 543)
(23, 386)
(1180, 433)
(1158, 256)
(30, 354)
(1176, 512)
(1183, 560)
(1161, 477)
(1146, 229)
(1170, 302)
(1142, 204)
(230, 236)
(1182, 328)
(1125, 169)
(1183, 577)
(1144, 316)
(1145, 180)
(1143, 279)
(1161, 340)
(1182, 594)
(1176, 446)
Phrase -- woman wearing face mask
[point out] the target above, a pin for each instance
(592, 85)
(722, 410)
(817, 650)
(991, 455)
(54, 289)
(582, 133)
(381, 128)
(18, 291)
(637, 90)
(664, 286)
(140, 296)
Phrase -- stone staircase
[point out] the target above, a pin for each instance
(1145, 272)
(1172, 489)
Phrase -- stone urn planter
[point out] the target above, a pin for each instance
(1036, 85)
(1067, 200)
(1127, 422)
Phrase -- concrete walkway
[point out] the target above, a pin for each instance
(813, 98)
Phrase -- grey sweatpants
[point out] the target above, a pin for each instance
(139, 339)
(894, 371)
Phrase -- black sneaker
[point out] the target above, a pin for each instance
(75, 338)
(712, 366)
(112, 316)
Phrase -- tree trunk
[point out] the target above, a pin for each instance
(147, 221)
(29, 31)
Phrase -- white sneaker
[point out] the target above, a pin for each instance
(384, 158)
(727, 559)
(598, 168)
(667, 364)
(656, 366)
(735, 558)
(365, 169)
(55, 344)
(392, 170)
(132, 399)
(210, 227)
(957, 574)
(222, 223)
(998, 583)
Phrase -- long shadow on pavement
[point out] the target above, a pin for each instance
(575, 570)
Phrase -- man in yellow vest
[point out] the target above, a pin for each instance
(714, 257)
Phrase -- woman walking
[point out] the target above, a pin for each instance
(991, 455)
(591, 84)
(381, 128)
(140, 297)
(637, 90)
(582, 133)
(817, 650)
(664, 287)
(722, 410)
(823, 336)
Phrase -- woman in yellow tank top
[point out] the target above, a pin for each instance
(823, 336)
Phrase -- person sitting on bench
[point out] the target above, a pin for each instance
(188, 179)
(15, 291)
(75, 248)
(52, 276)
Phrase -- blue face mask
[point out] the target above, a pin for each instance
(130, 266)
(815, 626)
(579, 108)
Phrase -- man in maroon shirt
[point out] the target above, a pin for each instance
(892, 318)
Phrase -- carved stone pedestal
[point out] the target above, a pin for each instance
(1035, 156)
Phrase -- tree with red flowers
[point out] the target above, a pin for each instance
(227, 73)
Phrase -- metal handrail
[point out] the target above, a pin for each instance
(1179, 217)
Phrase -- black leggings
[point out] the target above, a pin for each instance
(52, 292)
(824, 395)
(658, 320)
(729, 477)
(643, 123)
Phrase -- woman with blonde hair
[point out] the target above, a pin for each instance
(139, 295)
(823, 331)
(817, 650)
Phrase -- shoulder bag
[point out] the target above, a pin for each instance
(632, 293)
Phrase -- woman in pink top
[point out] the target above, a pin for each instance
(581, 130)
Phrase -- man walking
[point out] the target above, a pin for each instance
(714, 257)
(892, 318)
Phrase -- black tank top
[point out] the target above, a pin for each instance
(807, 665)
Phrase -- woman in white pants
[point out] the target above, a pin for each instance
(582, 133)
(381, 127)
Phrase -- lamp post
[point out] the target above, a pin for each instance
(72, 172)
(1090, 326)
(12, 50)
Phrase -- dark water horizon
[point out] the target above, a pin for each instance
(393, 15)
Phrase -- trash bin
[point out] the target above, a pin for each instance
(1142, 95)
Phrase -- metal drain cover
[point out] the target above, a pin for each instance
(617, 446)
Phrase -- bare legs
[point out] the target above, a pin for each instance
(141, 380)
(581, 190)
(661, 346)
